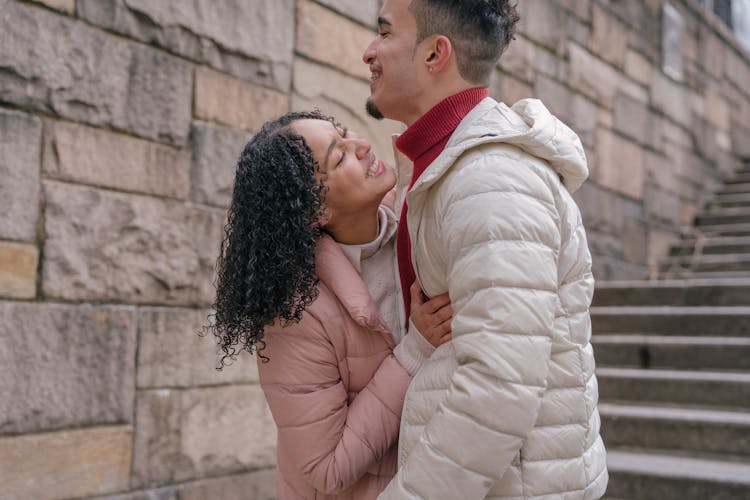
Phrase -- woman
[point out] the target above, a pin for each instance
(307, 217)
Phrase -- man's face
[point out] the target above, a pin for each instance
(393, 59)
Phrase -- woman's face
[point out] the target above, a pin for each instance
(356, 180)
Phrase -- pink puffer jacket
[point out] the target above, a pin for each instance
(335, 390)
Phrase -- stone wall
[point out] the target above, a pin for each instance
(120, 122)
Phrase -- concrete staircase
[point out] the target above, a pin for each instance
(673, 364)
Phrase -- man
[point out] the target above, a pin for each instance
(508, 408)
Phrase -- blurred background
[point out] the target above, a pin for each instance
(121, 121)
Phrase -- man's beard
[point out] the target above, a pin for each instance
(373, 110)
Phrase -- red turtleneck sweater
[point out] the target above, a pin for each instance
(422, 142)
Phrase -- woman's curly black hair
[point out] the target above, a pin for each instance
(266, 266)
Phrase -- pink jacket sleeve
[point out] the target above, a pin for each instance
(332, 443)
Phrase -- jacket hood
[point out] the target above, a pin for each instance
(527, 125)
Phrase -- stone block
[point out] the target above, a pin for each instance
(186, 434)
(633, 119)
(544, 22)
(250, 40)
(638, 67)
(507, 89)
(609, 37)
(65, 366)
(67, 6)
(710, 52)
(581, 8)
(214, 162)
(671, 99)
(223, 99)
(172, 354)
(20, 156)
(717, 110)
(592, 76)
(574, 110)
(672, 42)
(659, 243)
(635, 241)
(519, 59)
(315, 26)
(364, 11)
(64, 67)
(551, 65)
(65, 464)
(257, 485)
(619, 164)
(740, 137)
(165, 493)
(660, 171)
(345, 101)
(97, 157)
(18, 264)
(737, 70)
(603, 213)
(115, 247)
(661, 208)
(705, 135)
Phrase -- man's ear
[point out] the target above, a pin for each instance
(440, 50)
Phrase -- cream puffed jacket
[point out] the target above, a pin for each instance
(508, 409)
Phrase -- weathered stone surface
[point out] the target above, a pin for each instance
(609, 38)
(20, 155)
(634, 241)
(55, 64)
(604, 213)
(581, 8)
(65, 464)
(671, 99)
(172, 354)
(740, 141)
(661, 207)
(574, 110)
(672, 41)
(93, 156)
(251, 40)
(717, 110)
(595, 78)
(214, 162)
(507, 89)
(127, 248)
(633, 119)
(68, 6)
(619, 164)
(638, 67)
(315, 24)
(661, 172)
(519, 59)
(223, 99)
(544, 22)
(65, 366)
(364, 11)
(185, 434)
(258, 485)
(345, 101)
(18, 263)
(709, 48)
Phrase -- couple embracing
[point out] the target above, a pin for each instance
(421, 332)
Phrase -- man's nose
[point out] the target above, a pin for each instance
(361, 147)
(369, 54)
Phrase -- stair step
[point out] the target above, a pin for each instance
(720, 389)
(738, 187)
(711, 262)
(673, 320)
(677, 353)
(732, 200)
(687, 292)
(723, 215)
(660, 476)
(742, 229)
(675, 428)
(713, 245)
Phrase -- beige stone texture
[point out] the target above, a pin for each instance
(18, 264)
(315, 26)
(638, 67)
(717, 110)
(595, 78)
(364, 11)
(216, 150)
(345, 101)
(171, 353)
(634, 241)
(68, 6)
(711, 50)
(605, 118)
(65, 464)
(70, 366)
(671, 99)
(519, 59)
(576, 111)
(609, 37)
(126, 248)
(97, 157)
(581, 8)
(256, 485)
(184, 434)
(509, 90)
(619, 164)
(660, 171)
(659, 242)
(544, 22)
(688, 211)
(227, 100)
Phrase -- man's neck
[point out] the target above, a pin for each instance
(434, 96)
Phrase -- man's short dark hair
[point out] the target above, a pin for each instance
(480, 30)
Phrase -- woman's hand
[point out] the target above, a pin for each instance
(431, 317)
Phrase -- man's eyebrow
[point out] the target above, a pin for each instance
(383, 21)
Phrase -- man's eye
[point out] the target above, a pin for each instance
(383, 33)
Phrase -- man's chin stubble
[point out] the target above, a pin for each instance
(373, 110)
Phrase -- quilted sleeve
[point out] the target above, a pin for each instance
(331, 442)
(501, 237)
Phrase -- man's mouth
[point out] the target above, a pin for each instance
(373, 168)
